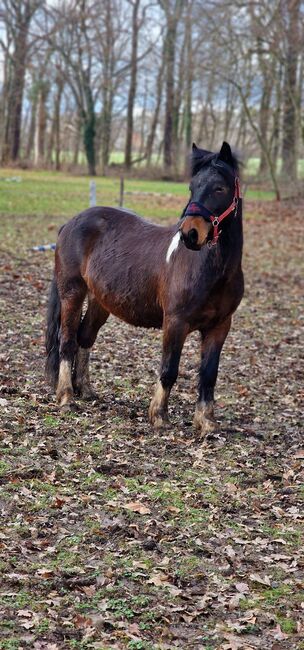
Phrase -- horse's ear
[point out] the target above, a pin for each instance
(194, 147)
(226, 154)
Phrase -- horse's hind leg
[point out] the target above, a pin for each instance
(72, 296)
(94, 318)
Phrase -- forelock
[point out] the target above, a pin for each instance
(201, 159)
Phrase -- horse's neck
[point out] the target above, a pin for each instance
(225, 258)
(231, 240)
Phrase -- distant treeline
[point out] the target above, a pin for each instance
(82, 78)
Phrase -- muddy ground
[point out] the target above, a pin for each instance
(116, 537)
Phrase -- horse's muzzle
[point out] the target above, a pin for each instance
(194, 232)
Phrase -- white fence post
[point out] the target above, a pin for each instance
(121, 191)
(92, 194)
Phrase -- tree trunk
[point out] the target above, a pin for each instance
(57, 122)
(169, 109)
(289, 141)
(41, 123)
(108, 86)
(23, 17)
(106, 125)
(88, 127)
(264, 119)
(32, 129)
(132, 87)
(17, 97)
(151, 136)
(4, 105)
(189, 79)
(275, 137)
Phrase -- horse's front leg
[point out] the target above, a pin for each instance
(174, 334)
(212, 344)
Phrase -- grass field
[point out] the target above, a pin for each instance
(114, 536)
(59, 194)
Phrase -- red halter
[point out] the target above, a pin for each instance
(217, 220)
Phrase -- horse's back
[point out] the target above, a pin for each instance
(100, 221)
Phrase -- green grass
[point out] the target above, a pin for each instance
(288, 625)
(4, 467)
(56, 194)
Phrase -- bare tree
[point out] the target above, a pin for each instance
(133, 79)
(172, 10)
(16, 17)
(71, 36)
(203, 72)
(290, 11)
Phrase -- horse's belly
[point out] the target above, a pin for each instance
(132, 302)
(138, 314)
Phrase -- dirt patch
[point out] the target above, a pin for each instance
(113, 536)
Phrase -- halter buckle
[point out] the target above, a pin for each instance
(236, 205)
(215, 222)
(213, 241)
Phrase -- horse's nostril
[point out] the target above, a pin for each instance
(193, 236)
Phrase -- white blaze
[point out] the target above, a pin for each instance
(173, 246)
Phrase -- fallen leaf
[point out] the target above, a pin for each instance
(299, 453)
(137, 506)
(82, 621)
(234, 643)
(242, 587)
(159, 580)
(90, 590)
(45, 573)
(278, 634)
(25, 612)
(255, 577)
(235, 601)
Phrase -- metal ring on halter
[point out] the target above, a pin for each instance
(215, 221)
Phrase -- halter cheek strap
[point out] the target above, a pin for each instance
(197, 208)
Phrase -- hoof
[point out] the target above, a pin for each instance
(158, 410)
(65, 399)
(86, 392)
(204, 421)
(70, 407)
(158, 419)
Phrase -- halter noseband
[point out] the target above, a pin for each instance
(198, 209)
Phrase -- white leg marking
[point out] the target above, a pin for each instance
(64, 388)
(173, 246)
(159, 406)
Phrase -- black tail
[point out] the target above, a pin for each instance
(52, 336)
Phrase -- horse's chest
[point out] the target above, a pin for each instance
(211, 307)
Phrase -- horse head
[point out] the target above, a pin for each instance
(214, 191)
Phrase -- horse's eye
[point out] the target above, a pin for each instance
(219, 189)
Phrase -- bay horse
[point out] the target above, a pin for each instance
(180, 278)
